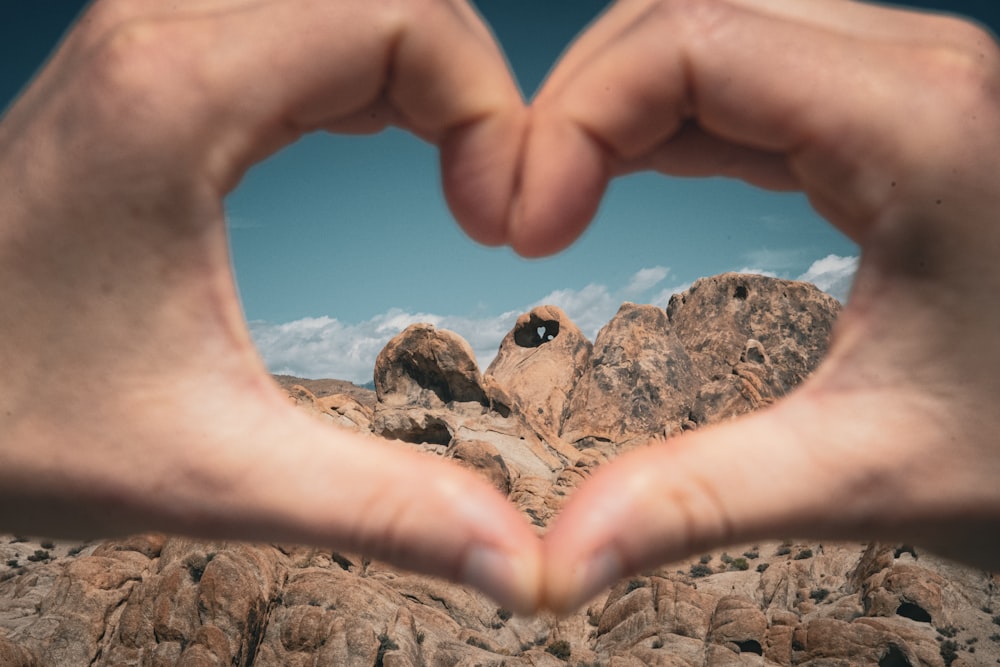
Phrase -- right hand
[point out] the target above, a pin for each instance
(889, 121)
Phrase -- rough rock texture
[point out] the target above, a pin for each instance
(791, 321)
(539, 364)
(545, 414)
(639, 381)
(427, 367)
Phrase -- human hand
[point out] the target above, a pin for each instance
(890, 122)
(132, 397)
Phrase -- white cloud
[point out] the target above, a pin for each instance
(833, 274)
(757, 272)
(646, 279)
(327, 347)
(777, 260)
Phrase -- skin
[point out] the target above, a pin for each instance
(894, 437)
(133, 398)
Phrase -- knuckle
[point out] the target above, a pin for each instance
(966, 63)
(127, 59)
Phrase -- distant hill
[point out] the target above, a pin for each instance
(363, 394)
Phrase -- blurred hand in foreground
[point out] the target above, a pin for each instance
(132, 397)
(890, 122)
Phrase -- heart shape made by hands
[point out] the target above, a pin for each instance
(113, 216)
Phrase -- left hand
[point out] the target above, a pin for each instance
(132, 396)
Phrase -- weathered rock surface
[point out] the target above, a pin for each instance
(790, 320)
(640, 381)
(427, 367)
(539, 364)
(547, 412)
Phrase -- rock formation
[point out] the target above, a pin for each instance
(549, 409)
(639, 382)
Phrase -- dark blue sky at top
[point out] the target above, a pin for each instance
(349, 227)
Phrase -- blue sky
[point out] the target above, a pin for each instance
(340, 242)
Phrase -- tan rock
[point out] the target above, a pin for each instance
(483, 458)
(427, 367)
(13, 655)
(716, 317)
(742, 342)
(539, 363)
(739, 623)
(640, 381)
(347, 411)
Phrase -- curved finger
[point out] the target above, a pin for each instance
(692, 152)
(829, 99)
(214, 86)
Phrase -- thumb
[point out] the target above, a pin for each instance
(327, 486)
(225, 456)
(819, 465)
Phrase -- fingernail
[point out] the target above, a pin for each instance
(511, 581)
(603, 569)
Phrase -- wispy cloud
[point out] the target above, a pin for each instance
(237, 223)
(833, 274)
(777, 261)
(645, 280)
(757, 271)
(327, 347)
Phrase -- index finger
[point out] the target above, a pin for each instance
(833, 91)
(220, 84)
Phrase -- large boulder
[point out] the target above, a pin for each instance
(640, 381)
(427, 367)
(716, 317)
(539, 363)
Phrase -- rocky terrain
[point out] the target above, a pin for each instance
(551, 407)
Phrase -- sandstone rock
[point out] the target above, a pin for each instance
(13, 655)
(716, 317)
(740, 623)
(729, 345)
(430, 392)
(347, 411)
(539, 363)
(682, 610)
(483, 458)
(340, 409)
(640, 381)
(428, 367)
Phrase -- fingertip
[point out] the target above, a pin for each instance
(513, 580)
(571, 583)
(564, 174)
(479, 166)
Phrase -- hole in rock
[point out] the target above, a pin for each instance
(750, 646)
(913, 612)
(536, 332)
(754, 354)
(433, 432)
(894, 658)
(741, 293)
